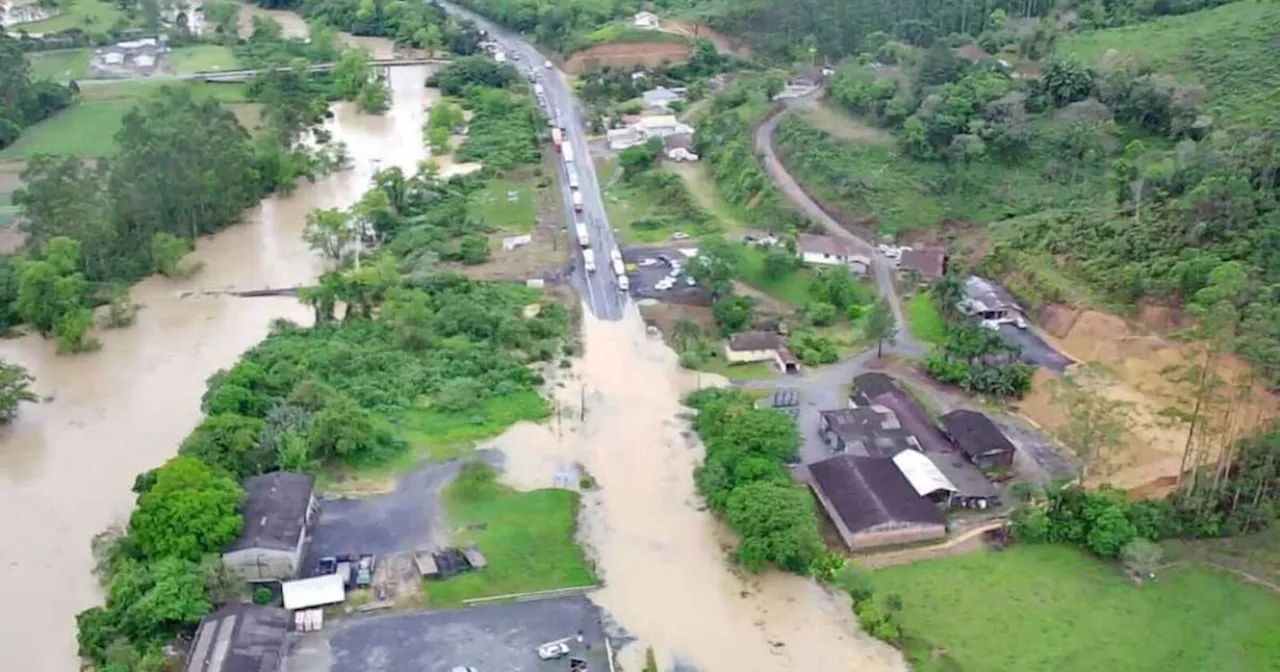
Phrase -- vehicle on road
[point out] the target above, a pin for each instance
(567, 150)
(344, 570)
(537, 88)
(1019, 322)
(499, 57)
(615, 255)
(573, 179)
(623, 283)
(463, 668)
(618, 269)
(646, 262)
(364, 571)
(577, 201)
(557, 137)
(581, 229)
(546, 64)
(553, 650)
(589, 260)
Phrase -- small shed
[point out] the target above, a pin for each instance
(975, 435)
(924, 476)
(316, 591)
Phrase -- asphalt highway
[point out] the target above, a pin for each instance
(598, 288)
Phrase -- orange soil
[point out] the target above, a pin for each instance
(624, 54)
(1144, 369)
(724, 43)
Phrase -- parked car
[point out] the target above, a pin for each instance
(546, 64)
(679, 235)
(553, 650)
(327, 565)
(364, 571)
(1019, 322)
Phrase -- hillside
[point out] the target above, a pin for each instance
(1231, 50)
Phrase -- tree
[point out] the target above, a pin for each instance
(636, 160)
(947, 292)
(778, 263)
(777, 525)
(1066, 79)
(1095, 425)
(15, 388)
(232, 442)
(821, 314)
(191, 509)
(329, 232)
(880, 324)
(167, 254)
(733, 313)
(714, 267)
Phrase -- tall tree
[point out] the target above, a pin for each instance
(1095, 425)
(15, 388)
(880, 324)
(191, 509)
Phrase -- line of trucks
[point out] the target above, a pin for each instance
(579, 225)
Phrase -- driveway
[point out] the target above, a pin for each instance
(490, 638)
(1034, 349)
(388, 523)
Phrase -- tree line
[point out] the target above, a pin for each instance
(23, 100)
(420, 25)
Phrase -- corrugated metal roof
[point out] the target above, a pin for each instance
(922, 473)
(316, 591)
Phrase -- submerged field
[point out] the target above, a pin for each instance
(1052, 608)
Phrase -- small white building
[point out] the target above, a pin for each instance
(827, 251)
(317, 591)
(662, 125)
(679, 147)
(646, 21)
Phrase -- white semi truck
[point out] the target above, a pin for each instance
(581, 228)
(589, 260)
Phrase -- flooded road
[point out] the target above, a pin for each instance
(66, 466)
(662, 560)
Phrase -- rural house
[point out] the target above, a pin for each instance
(646, 21)
(662, 97)
(825, 250)
(928, 263)
(761, 346)
(988, 301)
(662, 125)
(872, 504)
(278, 511)
(239, 638)
(622, 138)
(979, 439)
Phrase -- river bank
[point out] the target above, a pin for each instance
(66, 466)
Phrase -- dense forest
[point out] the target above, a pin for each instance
(23, 100)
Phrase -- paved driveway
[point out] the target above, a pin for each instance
(490, 638)
(1034, 349)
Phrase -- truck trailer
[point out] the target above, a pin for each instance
(567, 150)
(557, 138)
(581, 229)
(577, 201)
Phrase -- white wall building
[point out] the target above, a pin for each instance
(646, 21)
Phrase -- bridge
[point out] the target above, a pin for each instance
(380, 64)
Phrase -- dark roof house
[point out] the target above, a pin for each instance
(971, 487)
(240, 638)
(275, 510)
(929, 262)
(754, 340)
(978, 438)
(868, 385)
(872, 504)
(865, 431)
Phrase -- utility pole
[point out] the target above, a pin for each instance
(583, 415)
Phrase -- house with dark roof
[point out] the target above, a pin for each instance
(761, 346)
(988, 301)
(975, 435)
(969, 488)
(871, 503)
(869, 385)
(279, 509)
(240, 638)
(868, 431)
(928, 263)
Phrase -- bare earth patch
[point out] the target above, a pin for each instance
(724, 43)
(627, 54)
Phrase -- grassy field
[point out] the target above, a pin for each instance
(89, 126)
(925, 320)
(527, 538)
(60, 66)
(875, 178)
(1052, 608)
(747, 371)
(792, 288)
(704, 191)
(202, 57)
(493, 204)
(1231, 50)
(444, 436)
(89, 15)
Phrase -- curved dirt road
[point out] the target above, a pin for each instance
(904, 343)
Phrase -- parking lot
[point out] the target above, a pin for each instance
(1035, 350)
(651, 271)
(489, 638)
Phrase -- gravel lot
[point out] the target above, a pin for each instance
(495, 638)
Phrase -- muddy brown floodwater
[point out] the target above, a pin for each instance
(663, 558)
(66, 466)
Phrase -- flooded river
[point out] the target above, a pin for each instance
(66, 466)
(662, 558)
